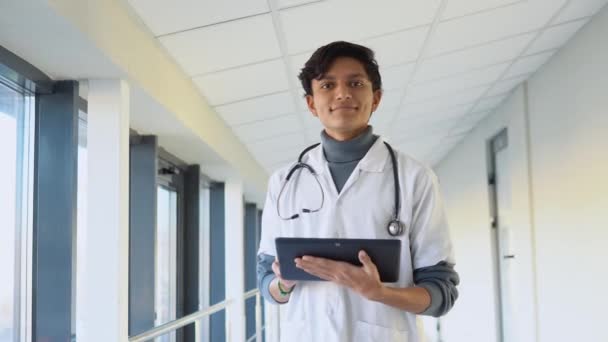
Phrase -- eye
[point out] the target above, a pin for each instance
(326, 85)
(356, 83)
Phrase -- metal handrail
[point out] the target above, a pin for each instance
(196, 319)
(179, 323)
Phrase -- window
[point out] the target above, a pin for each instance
(16, 115)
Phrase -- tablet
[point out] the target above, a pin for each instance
(385, 253)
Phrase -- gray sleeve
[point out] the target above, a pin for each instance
(441, 281)
(265, 276)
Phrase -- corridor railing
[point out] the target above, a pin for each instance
(196, 318)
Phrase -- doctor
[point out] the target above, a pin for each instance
(350, 193)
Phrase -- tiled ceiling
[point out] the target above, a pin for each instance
(446, 64)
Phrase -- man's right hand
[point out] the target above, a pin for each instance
(286, 285)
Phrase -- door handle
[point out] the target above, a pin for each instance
(510, 256)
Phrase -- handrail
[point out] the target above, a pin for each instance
(251, 293)
(178, 323)
(196, 317)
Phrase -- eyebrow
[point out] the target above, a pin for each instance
(331, 78)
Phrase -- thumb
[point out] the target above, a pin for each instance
(365, 259)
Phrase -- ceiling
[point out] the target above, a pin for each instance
(445, 64)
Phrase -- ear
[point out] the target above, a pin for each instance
(311, 105)
(376, 100)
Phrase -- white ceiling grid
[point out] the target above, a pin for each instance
(446, 64)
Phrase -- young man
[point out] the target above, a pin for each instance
(353, 187)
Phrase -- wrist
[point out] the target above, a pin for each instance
(378, 294)
(285, 289)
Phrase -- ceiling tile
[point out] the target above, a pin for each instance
(489, 103)
(207, 49)
(390, 99)
(556, 36)
(396, 77)
(506, 85)
(469, 59)
(240, 83)
(449, 100)
(471, 79)
(397, 48)
(164, 17)
(260, 108)
(282, 142)
(466, 7)
(282, 4)
(580, 8)
(270, 128)
(424, 118)
(492, 25)
(351, 20)
(529, 64)
(382, 117)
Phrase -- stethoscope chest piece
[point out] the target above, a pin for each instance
(396, 228)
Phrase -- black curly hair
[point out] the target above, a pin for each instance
(322, 59)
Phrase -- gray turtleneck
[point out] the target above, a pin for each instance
(342, 157)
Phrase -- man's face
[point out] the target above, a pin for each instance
(343, 99)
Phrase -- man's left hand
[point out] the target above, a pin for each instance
(363, 279)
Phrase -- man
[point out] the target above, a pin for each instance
(353, 168)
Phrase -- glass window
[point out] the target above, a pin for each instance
(15, 210)
(166, 259)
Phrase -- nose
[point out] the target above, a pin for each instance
(343, 92)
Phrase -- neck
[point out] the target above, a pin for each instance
(345, 136)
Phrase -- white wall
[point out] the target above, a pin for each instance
(558, 150)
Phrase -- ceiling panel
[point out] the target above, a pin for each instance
(282, 4)
(260, 108)
(489, 103)
(492, 25)
(529, 64)
(555, 36)
(458, 8)
(580, 8)
(397, 48)
(270, 128)
(435, 89)
(164, 17)
(390, 99)
(396, 77)
(382, 116)
(492, 53)
(506, 85)
(209, 49)
(351, 20)
(278, 143)
(240, 83)
(449, 100)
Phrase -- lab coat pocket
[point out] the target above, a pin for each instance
(375, 333)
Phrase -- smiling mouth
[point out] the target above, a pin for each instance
(344, 108)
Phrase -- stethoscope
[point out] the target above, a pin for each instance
(395, 227)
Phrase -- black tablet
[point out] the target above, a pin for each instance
(385, 253)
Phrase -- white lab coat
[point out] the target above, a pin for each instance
(324, 311)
